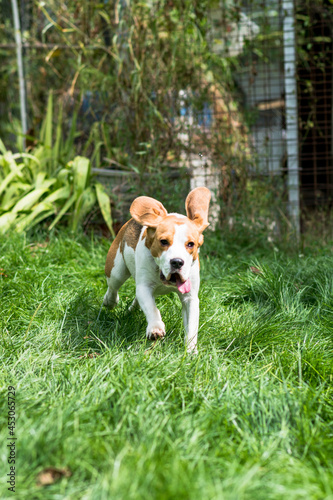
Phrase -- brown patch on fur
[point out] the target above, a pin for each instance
(166, 230)
(149, 235)
(197, 238)
(147, 211)
(129, 234)
(197, 204)
(112, 254)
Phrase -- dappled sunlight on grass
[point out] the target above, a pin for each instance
(249, 417)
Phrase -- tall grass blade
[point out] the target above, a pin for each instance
(105, 206)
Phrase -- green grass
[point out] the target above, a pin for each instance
(249, 417)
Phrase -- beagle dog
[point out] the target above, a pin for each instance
(161, 252)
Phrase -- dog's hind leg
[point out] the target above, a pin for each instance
(135, 305)
(118, 275)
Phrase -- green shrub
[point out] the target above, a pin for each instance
(30, 194)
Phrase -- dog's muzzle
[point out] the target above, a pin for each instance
(176, 281)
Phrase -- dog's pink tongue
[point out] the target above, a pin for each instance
(183, 287)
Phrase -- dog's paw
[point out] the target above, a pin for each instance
(191, 348)
(156, 331)
(110, 301)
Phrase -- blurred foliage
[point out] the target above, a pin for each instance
(137, 87)
(142, 77)
(43, 183)
(29, 195)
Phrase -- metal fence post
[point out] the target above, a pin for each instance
(291, 105)
(18, 40)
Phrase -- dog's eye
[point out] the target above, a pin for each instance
(164, 243)
(190, 244)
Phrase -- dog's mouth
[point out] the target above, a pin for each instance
(176, 280)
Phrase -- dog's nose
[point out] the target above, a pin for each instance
(177, 263)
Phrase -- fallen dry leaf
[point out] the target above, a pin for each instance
(255, 270)
(38, 245)
(50, 475)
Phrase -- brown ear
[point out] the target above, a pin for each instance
(197, 204)
(147, 211)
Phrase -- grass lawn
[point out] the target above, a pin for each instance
(249, 417)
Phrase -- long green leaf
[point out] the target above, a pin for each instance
(46, 130)
(27, 202)
(63, 175)
(105, 206)
(64, 209)
(9, 158)
(81, 170)
(3, 150)
(42, 154)
(59, 194)
(96, 155)
(39, 179)
(83, 205)
(69, 143)
(26, 221)
(6, 221)
(9, 178)
(27, 156)
(13, 193)
(41, 182)
(58, 141)
(40, 218)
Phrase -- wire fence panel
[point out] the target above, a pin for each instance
(285, 78)
(236, 94)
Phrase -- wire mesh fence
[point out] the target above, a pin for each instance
(304, 149)
(236, 94)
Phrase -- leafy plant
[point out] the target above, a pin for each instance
(29, 194)
(52, 150)
(84, 194)
(125, 64)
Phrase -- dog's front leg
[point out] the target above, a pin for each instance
(156, 327)
(190, 309)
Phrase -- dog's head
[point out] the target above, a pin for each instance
(174, 239)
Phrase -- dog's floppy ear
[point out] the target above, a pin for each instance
(197, 204)
(147, 211)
